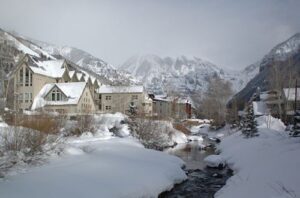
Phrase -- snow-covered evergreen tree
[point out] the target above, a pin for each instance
(296, 127)
(249, 125)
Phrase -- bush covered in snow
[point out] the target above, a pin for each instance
(156, 134)
(23, 145)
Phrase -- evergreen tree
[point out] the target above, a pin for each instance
(296, 127)
(248, 124)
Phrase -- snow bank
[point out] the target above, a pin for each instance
(118, 167)
(2, 123)
(264, 166)
(200, 129)
(178, 137)
(214, 161)
(195, 138)
(270, 122)
(106, 123)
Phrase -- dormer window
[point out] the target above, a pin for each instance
(56, 95)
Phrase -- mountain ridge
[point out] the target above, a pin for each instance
(284, 58)
(188, 74)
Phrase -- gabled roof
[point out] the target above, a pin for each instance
(72, 90)
(120, 89)
(289, 94)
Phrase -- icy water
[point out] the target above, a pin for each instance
(202, 182)
(192, 153)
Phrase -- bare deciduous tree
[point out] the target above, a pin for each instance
(213, 104)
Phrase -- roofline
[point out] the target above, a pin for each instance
(57, 88)
(90, 94)
(119, 92)
(18, 65)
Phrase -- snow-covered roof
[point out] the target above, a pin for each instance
(264, 96)
(72, 90)
(271, 95)
(93, 79)
(51, 68)
(120, 89)
(79, 75)
(71, 73)
(289, 93)
(162, 98)
(260, 108)
(86, 78)
(179, 100)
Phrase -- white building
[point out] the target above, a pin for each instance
(65, 98)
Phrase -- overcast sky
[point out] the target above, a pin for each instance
(229, 33)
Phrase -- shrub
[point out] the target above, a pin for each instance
(153, 134)
(43, 122)
(23, 145)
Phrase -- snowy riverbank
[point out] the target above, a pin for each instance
(95, 167)
(98, 164)
(264, 166)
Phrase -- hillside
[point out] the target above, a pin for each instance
(106, 73)
(282, 62)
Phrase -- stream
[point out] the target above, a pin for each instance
(202, 182)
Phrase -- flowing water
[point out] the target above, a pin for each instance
(202, 182)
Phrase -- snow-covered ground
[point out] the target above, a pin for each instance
(98, 165)
(264, 166)
(115, 167)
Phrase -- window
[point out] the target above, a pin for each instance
(30, 79)
(107, 107)
(134, 97)
(53, 96)
(26, 97)
(107, 97)
(26, 77)
(30, 97)
(56, 95)
(21, 77)
(20, 98)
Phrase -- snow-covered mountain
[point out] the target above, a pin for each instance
(282, 51)
(183, 74)
(286, 57)
(105, 72)
(13, 46)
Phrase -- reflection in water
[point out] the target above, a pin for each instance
(192, 153)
